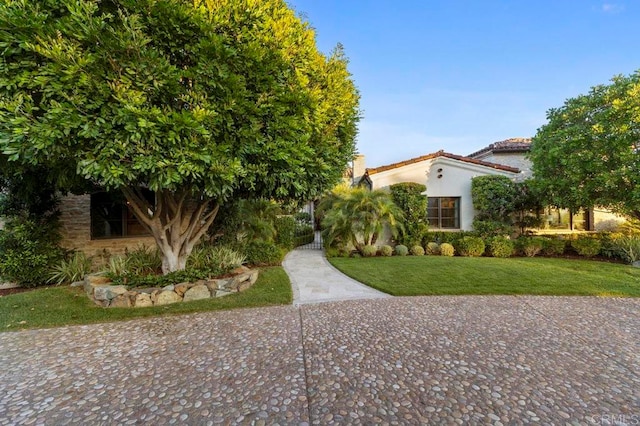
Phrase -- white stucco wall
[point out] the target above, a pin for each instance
(456, 182)
(416, 172)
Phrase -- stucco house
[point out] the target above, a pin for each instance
(448, 180)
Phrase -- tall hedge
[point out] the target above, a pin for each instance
(410, 199)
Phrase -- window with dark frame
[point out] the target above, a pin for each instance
(111, 217)
(444, 212)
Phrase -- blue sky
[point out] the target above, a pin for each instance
(460, 74)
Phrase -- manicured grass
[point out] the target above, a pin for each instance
(436, 275)
(58, 306)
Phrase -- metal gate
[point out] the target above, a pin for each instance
(307, 233)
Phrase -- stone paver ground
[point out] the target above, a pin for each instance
(420, 360)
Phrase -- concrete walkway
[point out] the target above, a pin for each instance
(315, 280)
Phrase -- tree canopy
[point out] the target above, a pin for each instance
(587, 154)
(199, 101)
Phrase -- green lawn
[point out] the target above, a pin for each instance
(58, 306)
(436, 275)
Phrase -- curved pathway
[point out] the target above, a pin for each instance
(315, 280)
(403, 360)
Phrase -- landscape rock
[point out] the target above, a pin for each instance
(169, 287)
(108, 292)
(197, 292)
(222, 293)
(167, 297)
(77, 284)
(143, 300)
(148, 290)
(120, 301)
(182, 288)
(92, 280)
(240, 270)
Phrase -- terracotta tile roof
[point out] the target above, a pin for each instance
(508, 145)
(371, 171)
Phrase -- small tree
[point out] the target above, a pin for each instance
(493, 198)
(359, 216)
(410, 198)
(588, 153)
(200, 102)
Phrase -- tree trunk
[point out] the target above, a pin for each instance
(177, 221)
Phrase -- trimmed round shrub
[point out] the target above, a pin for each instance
(433, 248)
(501, 247)
(471, 246)
(263, 253)
(369, 250)
(401, 250)
(447, 249)
(386, 251)
(586, 246)
(417, 250)
(530, 246)
(553, 247)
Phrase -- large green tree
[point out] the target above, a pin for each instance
(588, 153)
(199, 101)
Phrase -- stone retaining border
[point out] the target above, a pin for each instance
(103, 293)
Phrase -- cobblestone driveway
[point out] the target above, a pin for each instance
(445, 360)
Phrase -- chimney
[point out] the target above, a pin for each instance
(358, 167)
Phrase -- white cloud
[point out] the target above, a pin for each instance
(612, 8)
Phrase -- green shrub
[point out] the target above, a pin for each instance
(330, 252)
(433, 248)
(530, 246)
(490, 228)
(216, 260)
(408, 196)
(553, 247)
(118, 266)
(177, 277)
(27, 253)
(471, 246)
(386, 250)
(401, 250)
(369, 250)
(417, 250)
(501, 247)
(285, 231)
(73, 269)
(447, 249)
(144, 261)
(587, 246)
(625, 247)
(263, 253)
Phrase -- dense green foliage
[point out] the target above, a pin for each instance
(60, 306)
(405, 276)
(263, 253)
(447, 250)
(432, 248)
(530, 246)
(369, 251)
(69, 270)
(409, 197)
(416, 250)
(386, 250)
(586, 246)
(553, 246)
(200, 102)
(285, 227)
(401, 250)
(358, 216)
(587, 153)
(470, 246)
(501, 247)
(27, 252)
